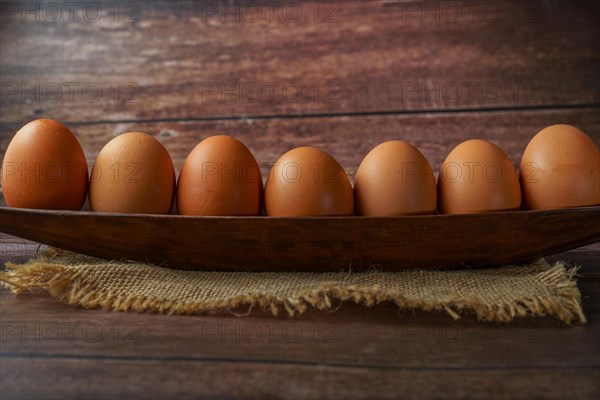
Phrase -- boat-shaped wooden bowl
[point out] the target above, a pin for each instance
(310, 244)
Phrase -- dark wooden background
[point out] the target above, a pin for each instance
(340, 75)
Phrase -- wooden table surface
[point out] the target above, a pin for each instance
(343, 76)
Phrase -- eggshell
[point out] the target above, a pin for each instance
(394, 179)
(44, 167)
(133, 173)
(477, 177)
(560, 168)
(306, 181)
(220, 177)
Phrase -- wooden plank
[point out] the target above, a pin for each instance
(66, 378)
(182, 60)
(348, 139)
(52, 349)
(35, 325)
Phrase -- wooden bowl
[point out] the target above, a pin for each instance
(310, 244)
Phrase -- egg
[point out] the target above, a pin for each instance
(133, 173)
(477, 177)
(560, 168)
(220, 176)
(44, 167)
(394, 179)
(306, 181)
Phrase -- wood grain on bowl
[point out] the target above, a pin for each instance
(311, 244)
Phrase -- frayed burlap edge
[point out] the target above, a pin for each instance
(71, 287)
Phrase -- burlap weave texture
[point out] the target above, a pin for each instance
(498, 294)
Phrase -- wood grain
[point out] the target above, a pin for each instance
(311, 243)
(39, 325)
(416, 355)
(74, 379)
(371, 56)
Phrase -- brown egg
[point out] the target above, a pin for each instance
(44, 167)
(306, 181)
(394, 179)
(220, 177)
(477, 177)
(560, 168)
(133, 173)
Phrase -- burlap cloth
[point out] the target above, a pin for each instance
(498, 294)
